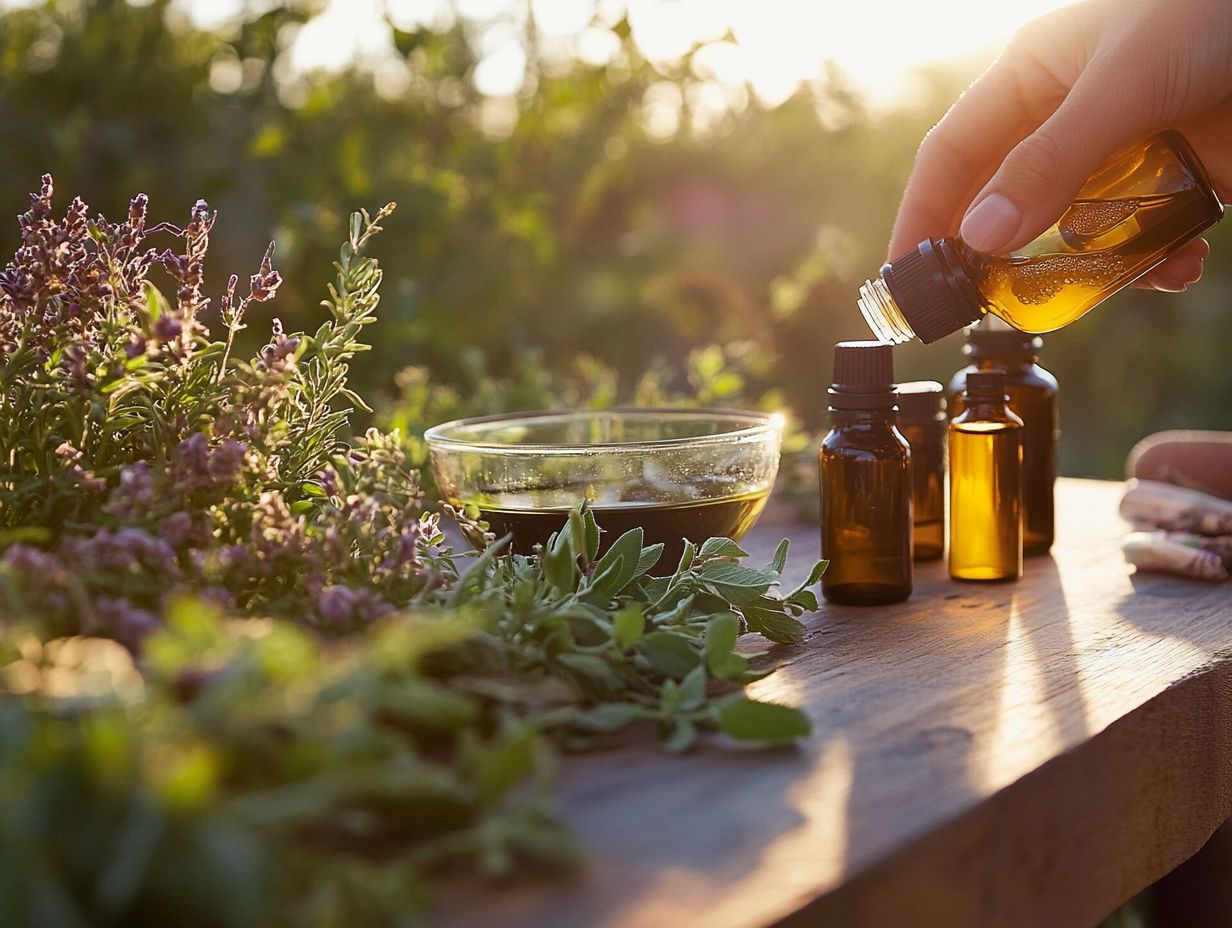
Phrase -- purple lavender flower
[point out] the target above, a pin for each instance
(127, 623)
(343, 608)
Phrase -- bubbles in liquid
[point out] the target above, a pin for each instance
(1038, 280)
(1089, 218)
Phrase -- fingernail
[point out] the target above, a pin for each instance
(1168, 285)
(1188, 270)
(989, 225)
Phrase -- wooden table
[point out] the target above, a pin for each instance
(996, 755)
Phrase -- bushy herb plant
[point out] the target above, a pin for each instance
(244, 680)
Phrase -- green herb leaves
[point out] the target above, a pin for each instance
(633, 646)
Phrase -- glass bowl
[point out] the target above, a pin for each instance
(677, 473)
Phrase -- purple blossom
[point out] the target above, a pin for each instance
(134, 495)
(129, 624)
(123, 551)
(199, 466)
(343, 608)
(178, 529)
(279, 354)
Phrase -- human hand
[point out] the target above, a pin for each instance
(1071, 89)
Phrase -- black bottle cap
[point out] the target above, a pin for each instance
(991, 337)
(931, 290)
(863, 367)
(863, 376)
(986, 386)
(921, 401)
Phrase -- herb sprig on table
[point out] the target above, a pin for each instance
(243, 677)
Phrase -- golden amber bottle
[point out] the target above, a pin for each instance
(865, 470)
(993, 345)
(1135, 211)
(922, 420)
(985, 483)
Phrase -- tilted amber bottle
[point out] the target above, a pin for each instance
(865, 466)
(985, 483)
(1135, 211)
(922, 420)
(993, 345)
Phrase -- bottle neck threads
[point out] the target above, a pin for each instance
(986, 388)
(925, 294)
(882, 313)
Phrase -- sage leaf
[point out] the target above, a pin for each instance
(669, 654)
(628, 625)
(720, 547)
(682, 734)
(767, 722)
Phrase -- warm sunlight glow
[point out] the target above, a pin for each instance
(777, 44)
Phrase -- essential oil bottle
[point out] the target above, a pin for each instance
(993, 345)
(986, 483)
(865, 482)
(1135, 211)
(922, 420)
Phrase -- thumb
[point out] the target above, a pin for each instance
(1041, 175)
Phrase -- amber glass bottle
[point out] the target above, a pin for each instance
(865, 482)
(993, 345)
(1135, 211)
(921, 419)
(985, 483)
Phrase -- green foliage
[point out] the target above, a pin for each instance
(570, 232)
(244, 680)
(248, 760)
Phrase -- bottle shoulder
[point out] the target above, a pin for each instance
(986, 425)
(875, 439)
(1030, 376)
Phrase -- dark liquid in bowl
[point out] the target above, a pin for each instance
(668, 523)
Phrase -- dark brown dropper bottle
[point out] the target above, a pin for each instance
(993, 345)
(865, 482)
(1136, 210)
(922, 420)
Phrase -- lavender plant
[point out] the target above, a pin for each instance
(237, 658)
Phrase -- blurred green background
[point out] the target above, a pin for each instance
(605, 227)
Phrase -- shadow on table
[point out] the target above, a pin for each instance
(897, 697)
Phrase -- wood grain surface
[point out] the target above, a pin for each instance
(1025, 754)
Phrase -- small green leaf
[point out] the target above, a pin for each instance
(577, 533)
(669, 696)
(693, 689)
(681, 736)
(609, 716)
(686, 557)
(805, 599)
(628, 625)
(648, 558)
(721, 547)
(558, 564)
(594, 669)
(29, 534)
(770, 723)
(779, 561)
(773, 623)
(814, 575)
(669, 654)
(506, 764)
(722, 630)
(592, 534)
(155, 303)
(606, 583)
(627, 547)
(727, 574)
